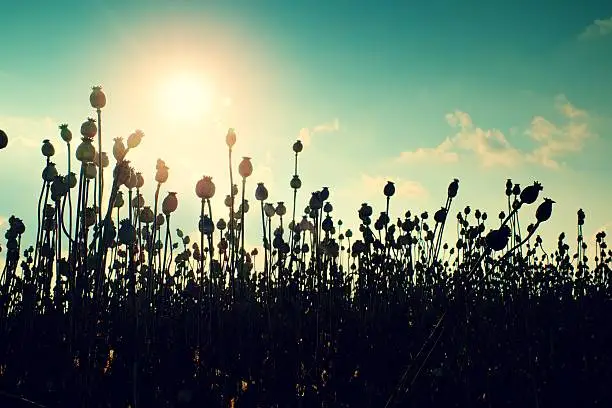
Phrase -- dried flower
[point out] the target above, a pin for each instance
(161, 175)
(261, 192)
(139, 180)
(244, 207)
(3, 139)
(122, 172)
(530, 194)
(324, 194)
(297, 146)
(170, 203)
(389, 189)
(89, 128)
(146, 215)
(127, 232)
(269, 210)
(65, 133)
(89, 170)
(97, 99)
(281, 210)
(498, 239)
(119, 202)
(453, 187)
(206, 225)
(131, 182)
(230, 138)
(296, 183)
(138, 201)
(316, 202)
(581, 217)
(49, 172)
(85, 152)
(440, 215)
(119, 150)
(246, 167)
(205, 188)
(544, 211)
(135, 138)
(221, 224)
(47, 148)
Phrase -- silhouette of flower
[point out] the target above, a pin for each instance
(389, 189)
(230, 138)
(205, 188)
(47, 148)
(97, 99)
(119, 150)
(3, 139)
(296, 183)
(246, 167)
(440, 215)
(269, 209)
(221, 224)
(498, 239)
(544, 211)
(453, 188)
(297, 146)
(281, 210)
(146, 215)
(65, 133)
(135, 138)
(206, 225)
(261, 192)
(324, 194)
(119, 202)
(139, 180)
(161, 175)
(581, 217)
(122, 172)
(89, 128)
(90, 171)
(49, 172)
(127, 232)
(170, 203)
(529, 195)
(85, 152)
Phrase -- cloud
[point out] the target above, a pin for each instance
(439, 154)
(403, 188)
(599, 28)
(556, 141)
(28, 132)
(491, 148)
(307, 134)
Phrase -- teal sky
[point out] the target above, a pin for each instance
(411, 92)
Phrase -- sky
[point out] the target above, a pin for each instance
(415, 93)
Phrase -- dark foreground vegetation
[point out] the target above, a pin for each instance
(114, 308)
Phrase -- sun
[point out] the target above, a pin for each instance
(186, 97)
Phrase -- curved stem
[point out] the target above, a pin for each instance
(100, 169)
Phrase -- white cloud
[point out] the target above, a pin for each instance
(491, 147)
(599, 28)
(439, 154)
(307, 134)
(403, 188)
(556, 141)
(28, 132)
